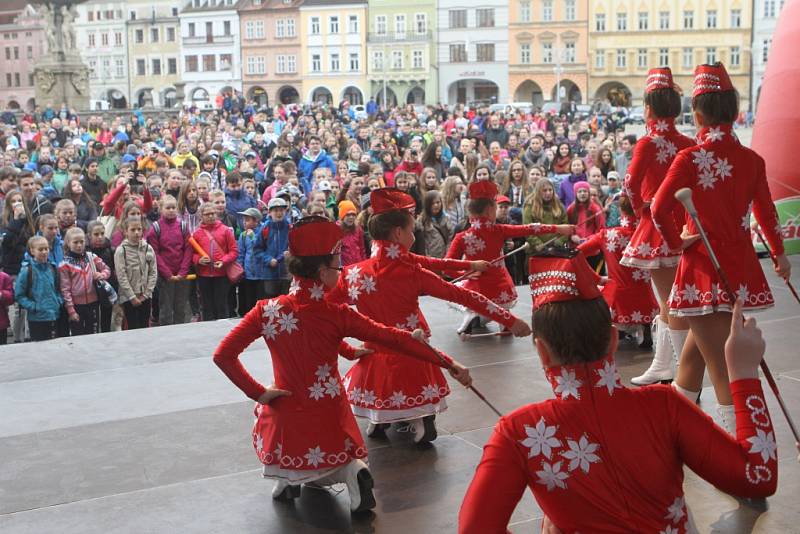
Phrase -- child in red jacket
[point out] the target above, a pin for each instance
(220, 248)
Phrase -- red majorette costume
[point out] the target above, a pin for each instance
(652, 156)
(386, 386)
(728, 181)
(628, 291)
(604, 458)
(312, 433)
(484, 240)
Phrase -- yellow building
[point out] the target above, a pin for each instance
(627, 37)
(334, 51)
(547, 47)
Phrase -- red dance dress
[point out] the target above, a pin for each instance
(603, 458)
(628, 291)
(386, 386)
(305, 436)
(728, 181)
(652, 157)
(484, 240)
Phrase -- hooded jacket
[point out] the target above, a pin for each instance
(136, 270)
(308, 164)
(171, 246)
(218, 242)
(77, 279)
(272, 240)
(43, 301)
(236, 201)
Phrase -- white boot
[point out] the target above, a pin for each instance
(358, 479)
(467, 324)
(377, 430)
(693, 396)
(662, 368)
(424, 429)
(678, 338)
(283, 491)
(727, 418)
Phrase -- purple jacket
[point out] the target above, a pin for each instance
(172, 248)
(6, 298)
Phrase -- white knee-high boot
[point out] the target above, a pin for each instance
(358, 479)
(662, 368)
(693, 396)
(678, 338)
(727, 418)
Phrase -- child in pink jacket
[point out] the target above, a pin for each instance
(77, 273)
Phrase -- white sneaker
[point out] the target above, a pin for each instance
(283, 491)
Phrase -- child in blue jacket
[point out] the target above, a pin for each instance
(37, 290)
(251, 288)
(271, 248)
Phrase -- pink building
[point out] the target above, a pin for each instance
(22, 42)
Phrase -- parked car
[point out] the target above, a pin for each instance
(636, 116)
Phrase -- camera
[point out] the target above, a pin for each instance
(414, 153)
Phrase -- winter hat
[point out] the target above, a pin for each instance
(345, 207)
(559, 279)
(581, 185)
(315, 236)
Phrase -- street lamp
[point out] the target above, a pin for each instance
(557, 70)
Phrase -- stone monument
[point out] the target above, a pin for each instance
(60, 75)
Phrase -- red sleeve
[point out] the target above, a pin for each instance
(436, 287)
(637, 169)
(347, 351)
(101, 267)
(679, 175)
(496, 488)
(110, 202)
(6, 291)
(765, 213)
(227, 354)
(186, 260)
(441, 264)
(593, 244)
(456, 250)
(364, 328)
(524, 230)
(152, 240)
(746, 466)
(147, 201)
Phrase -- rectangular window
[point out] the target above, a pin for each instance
(91, 45)
(688, 20)
(599, 59)
(688, 58)
(192, 31)
(8, 79)
(355, 64)
(458, 53)
(421, 23)
(226, 27)
(641, 58)
(16, 48)
(333, 25)
(316, 63)
(209, 32)
(569, 10)
(16, 79)
(525, 11)
(172, 66)
(622, 22)
(117, 38)
(291, 64)
(377, 60)
(280, 64)
(92, 68)
(291, 30)
(397, 59)
(156, 67)
(29, 52)
(663, 20)
(569, 53)
(90, 15)
(191, 63)
(663, 57)
(107, 67)
(643, 19)
(711, 55)
(769, 9)
(380, 24)
(139, 36)
(711, 18)
(400, 26)
(547, 10)
(600, 22)
(458, 18)
(256, 65)
(547, 52)
(335, 66)
(209, 63)
(119, 67)
(485, 18)
(279, 29)
(416, 59)
(103, 41)
(622, 60)
(153, 35)
(314, 25)
(765, 44)
(352, 24)
(140, 67)
(525, 53)
(736, 18)
(225, 61)
(485, 51)
(736, 59)
(249, 29)
(175, 11)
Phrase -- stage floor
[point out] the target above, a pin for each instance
(139, 432)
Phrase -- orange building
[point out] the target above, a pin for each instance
(548, 46)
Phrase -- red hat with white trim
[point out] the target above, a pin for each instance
(559, 279)
(658, 78)
(315, 236)
(711, 79)
(482, 189)
(390, 199)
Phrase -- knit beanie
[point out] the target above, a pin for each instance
(345, 207)
(580, 185)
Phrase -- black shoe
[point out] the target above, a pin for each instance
(377, 431)
(365, 485)
(287, 493)
(473, 324)
(428, 433)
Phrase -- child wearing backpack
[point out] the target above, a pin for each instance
(169, 237)
(135, 263)
(100, 246)
(251, 288)
(37, 290)
(78, 273)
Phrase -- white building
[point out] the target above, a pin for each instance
(473, 51)
(102, 39)
(210, 50)
(765, 18)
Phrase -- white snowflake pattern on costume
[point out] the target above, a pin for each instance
(662, 156)
(552, 476)
(581, 454)
(640, 274)
(763, 443)
(271, 309)
(260, 443)
(743, 293)
(675, 511)
(278, 450)
(567, 385)
(746, 218)
(353, 292)
(332, 387)
(269, 330)
(430, 392)
(294, 287)
(505, 297)
(288, 322)
(706, 179)
(473, 243)
(368, 397)
(541, 439)
(397, 399)
(353, 273)
(609, 378)
(317, 292)
(315, 456)
(323, 371)
(722, 168)
(690, 293)
(316, 391)
(348, 444)
(412, 321)
(704, 159)
(644, 249)
(624, 221)
(368, 284)
(393, 251)
(714, 134)
(669, 530)
(661, 126)
(476, 224)
(636, 316)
